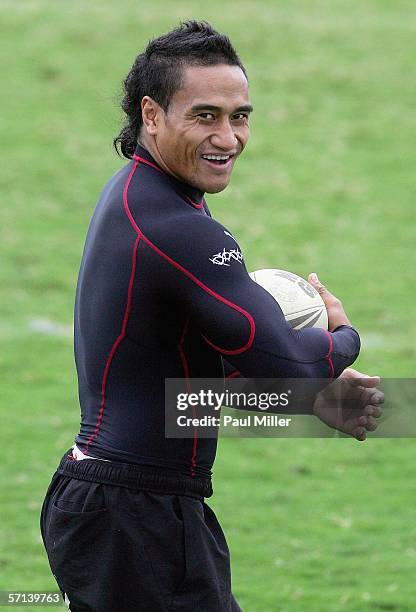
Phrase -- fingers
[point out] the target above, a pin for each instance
(371, 397)
(371, 424)
(335, 310)
(321, 289)
(367, 400)
(362, 380)
(359, 426)
(377, 397)
(359, 434)
(356, 378)
(368, 422)
(374, 411)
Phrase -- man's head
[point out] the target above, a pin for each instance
(186, 100)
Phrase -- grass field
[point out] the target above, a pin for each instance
(325, 185)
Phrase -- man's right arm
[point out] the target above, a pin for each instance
(237, 317)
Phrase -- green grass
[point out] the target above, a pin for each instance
(325, 185)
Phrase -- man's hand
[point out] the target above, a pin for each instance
(335, 309)
(351, 403)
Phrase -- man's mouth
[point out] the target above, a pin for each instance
(218, 160)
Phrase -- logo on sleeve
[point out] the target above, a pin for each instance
(224, 257)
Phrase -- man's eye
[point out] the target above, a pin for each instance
(240, 116)
(209, 116)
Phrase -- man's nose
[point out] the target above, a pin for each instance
(224, 137)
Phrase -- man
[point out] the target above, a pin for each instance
(124, 521)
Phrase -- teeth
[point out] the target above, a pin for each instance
(217, 157)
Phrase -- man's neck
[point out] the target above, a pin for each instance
(151, 147)
(193, 192)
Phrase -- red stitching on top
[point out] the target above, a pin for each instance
(193, 203)
(182, 352)
(233, 374)
(193, 278)
(328, 356)
(189, 389)
(141, 159)
(144, 161)
(122, 334)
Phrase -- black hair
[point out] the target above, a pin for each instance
(157, 72)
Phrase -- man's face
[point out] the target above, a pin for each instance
(207, 117)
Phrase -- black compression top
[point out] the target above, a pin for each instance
(163, 292)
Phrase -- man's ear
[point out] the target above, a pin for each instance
(151, 114)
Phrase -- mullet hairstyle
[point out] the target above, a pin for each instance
(157, 72)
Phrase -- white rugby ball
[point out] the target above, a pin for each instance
(300, 302)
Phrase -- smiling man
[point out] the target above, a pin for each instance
(163, 292)
(204, 129)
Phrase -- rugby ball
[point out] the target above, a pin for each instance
(301, 304)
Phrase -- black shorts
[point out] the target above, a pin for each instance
(113, 546)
